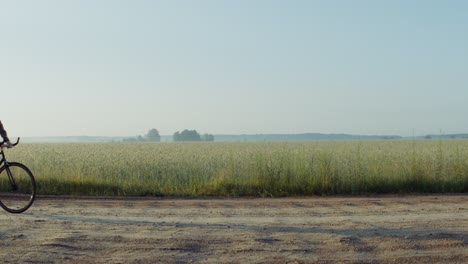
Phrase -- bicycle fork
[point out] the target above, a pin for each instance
(14, 186)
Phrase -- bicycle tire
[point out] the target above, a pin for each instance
(18, 197)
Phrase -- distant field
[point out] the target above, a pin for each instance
(248, 169)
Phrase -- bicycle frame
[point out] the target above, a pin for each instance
(3, 160)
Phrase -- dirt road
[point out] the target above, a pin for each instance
(389, 229)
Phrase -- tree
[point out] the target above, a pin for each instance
(153, 135)
(187, 135)
(207, 137)
(176, 136)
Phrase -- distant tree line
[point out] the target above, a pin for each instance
(191, 135)
(151, 136)
(185, 135)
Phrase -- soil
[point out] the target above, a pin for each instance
(374, 229)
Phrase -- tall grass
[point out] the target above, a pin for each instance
(248, 169)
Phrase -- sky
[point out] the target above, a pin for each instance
(120, 68)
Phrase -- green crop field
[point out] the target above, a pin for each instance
(248, 169)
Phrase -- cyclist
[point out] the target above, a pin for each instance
(3, 133)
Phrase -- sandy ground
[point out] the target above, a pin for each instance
(389, 229)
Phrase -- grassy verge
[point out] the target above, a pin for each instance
(248, 169)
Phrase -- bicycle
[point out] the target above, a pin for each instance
(17, 184)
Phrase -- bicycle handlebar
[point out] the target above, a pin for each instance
(17, 142)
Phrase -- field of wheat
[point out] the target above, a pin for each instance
(267, 169)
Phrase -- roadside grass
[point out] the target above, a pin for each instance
(266, 169)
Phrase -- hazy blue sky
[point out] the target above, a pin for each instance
(119, 68)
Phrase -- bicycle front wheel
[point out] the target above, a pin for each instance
(17, 187)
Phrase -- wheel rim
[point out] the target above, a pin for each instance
(18, 195)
